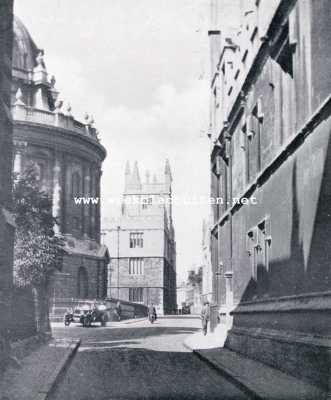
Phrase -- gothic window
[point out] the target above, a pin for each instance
(259, 251)
(136, 266)
(136, 294)
(136, 240)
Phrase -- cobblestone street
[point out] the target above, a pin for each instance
(140, 361)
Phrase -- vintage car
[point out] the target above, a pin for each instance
(96, 313)
(86, 314)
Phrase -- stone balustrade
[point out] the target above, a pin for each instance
(52, 118)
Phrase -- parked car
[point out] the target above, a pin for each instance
(78, 312)
(97, 313)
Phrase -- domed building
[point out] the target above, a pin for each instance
(67, 155)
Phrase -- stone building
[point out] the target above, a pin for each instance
(270, 166)
(6, 218)
(142, 244)
(67, 156)
(207, 273)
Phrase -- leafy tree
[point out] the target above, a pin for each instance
(195, 278)
(38, 251)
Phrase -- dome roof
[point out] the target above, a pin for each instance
(25, 50)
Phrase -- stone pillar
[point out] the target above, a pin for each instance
(86, 193)
(97, 222)
(57, 191)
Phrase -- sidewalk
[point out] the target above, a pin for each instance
(212, 340)
(39, 372)
(257, 380)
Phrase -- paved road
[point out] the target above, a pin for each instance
(140, 361)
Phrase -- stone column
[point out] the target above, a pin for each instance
(57, 191)
(97, 222)
(86, 193)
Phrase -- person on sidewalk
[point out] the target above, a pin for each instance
(205, 317)
(118, 310)
(152, 312)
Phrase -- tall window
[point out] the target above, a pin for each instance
(75, 184)
(136, 240)
(136, 266)
(136, 295)
(283, 53)
(259, 250)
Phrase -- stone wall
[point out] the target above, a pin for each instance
(92, 283)
(151, 281)
(271, 253)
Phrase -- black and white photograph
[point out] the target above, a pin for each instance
(165, 200)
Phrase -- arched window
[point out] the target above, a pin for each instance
(82, 283)
(75, 184)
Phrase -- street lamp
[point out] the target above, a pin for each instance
(118, 261)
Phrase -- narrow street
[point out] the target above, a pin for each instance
(138, 360)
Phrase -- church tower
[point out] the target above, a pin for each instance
(142, 243)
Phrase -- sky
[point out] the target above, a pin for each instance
(141, 68)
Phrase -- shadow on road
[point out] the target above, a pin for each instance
(139, 373)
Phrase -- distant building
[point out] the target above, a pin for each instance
(194, 297)
(6, 144)
(207, 273)
(142, 244)
(181, 296)
(270, 162)
(67, 156)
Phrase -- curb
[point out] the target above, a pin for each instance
(49, 387)
(187, 347)
(135, 320)
(229, 376)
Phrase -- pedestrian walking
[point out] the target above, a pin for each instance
(118, 310)
(152, 313)
(205, 317)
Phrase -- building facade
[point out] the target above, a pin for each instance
(67, 156)
(270, 167)
(207, 273)
(142, 244)
(6, 141)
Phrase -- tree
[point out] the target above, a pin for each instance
(195, 279)
(38, 251)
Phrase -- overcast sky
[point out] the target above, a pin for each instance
(141, 68)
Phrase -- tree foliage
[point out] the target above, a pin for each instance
(195, 278)
(38, 251)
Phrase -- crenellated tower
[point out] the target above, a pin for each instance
(142, 243)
